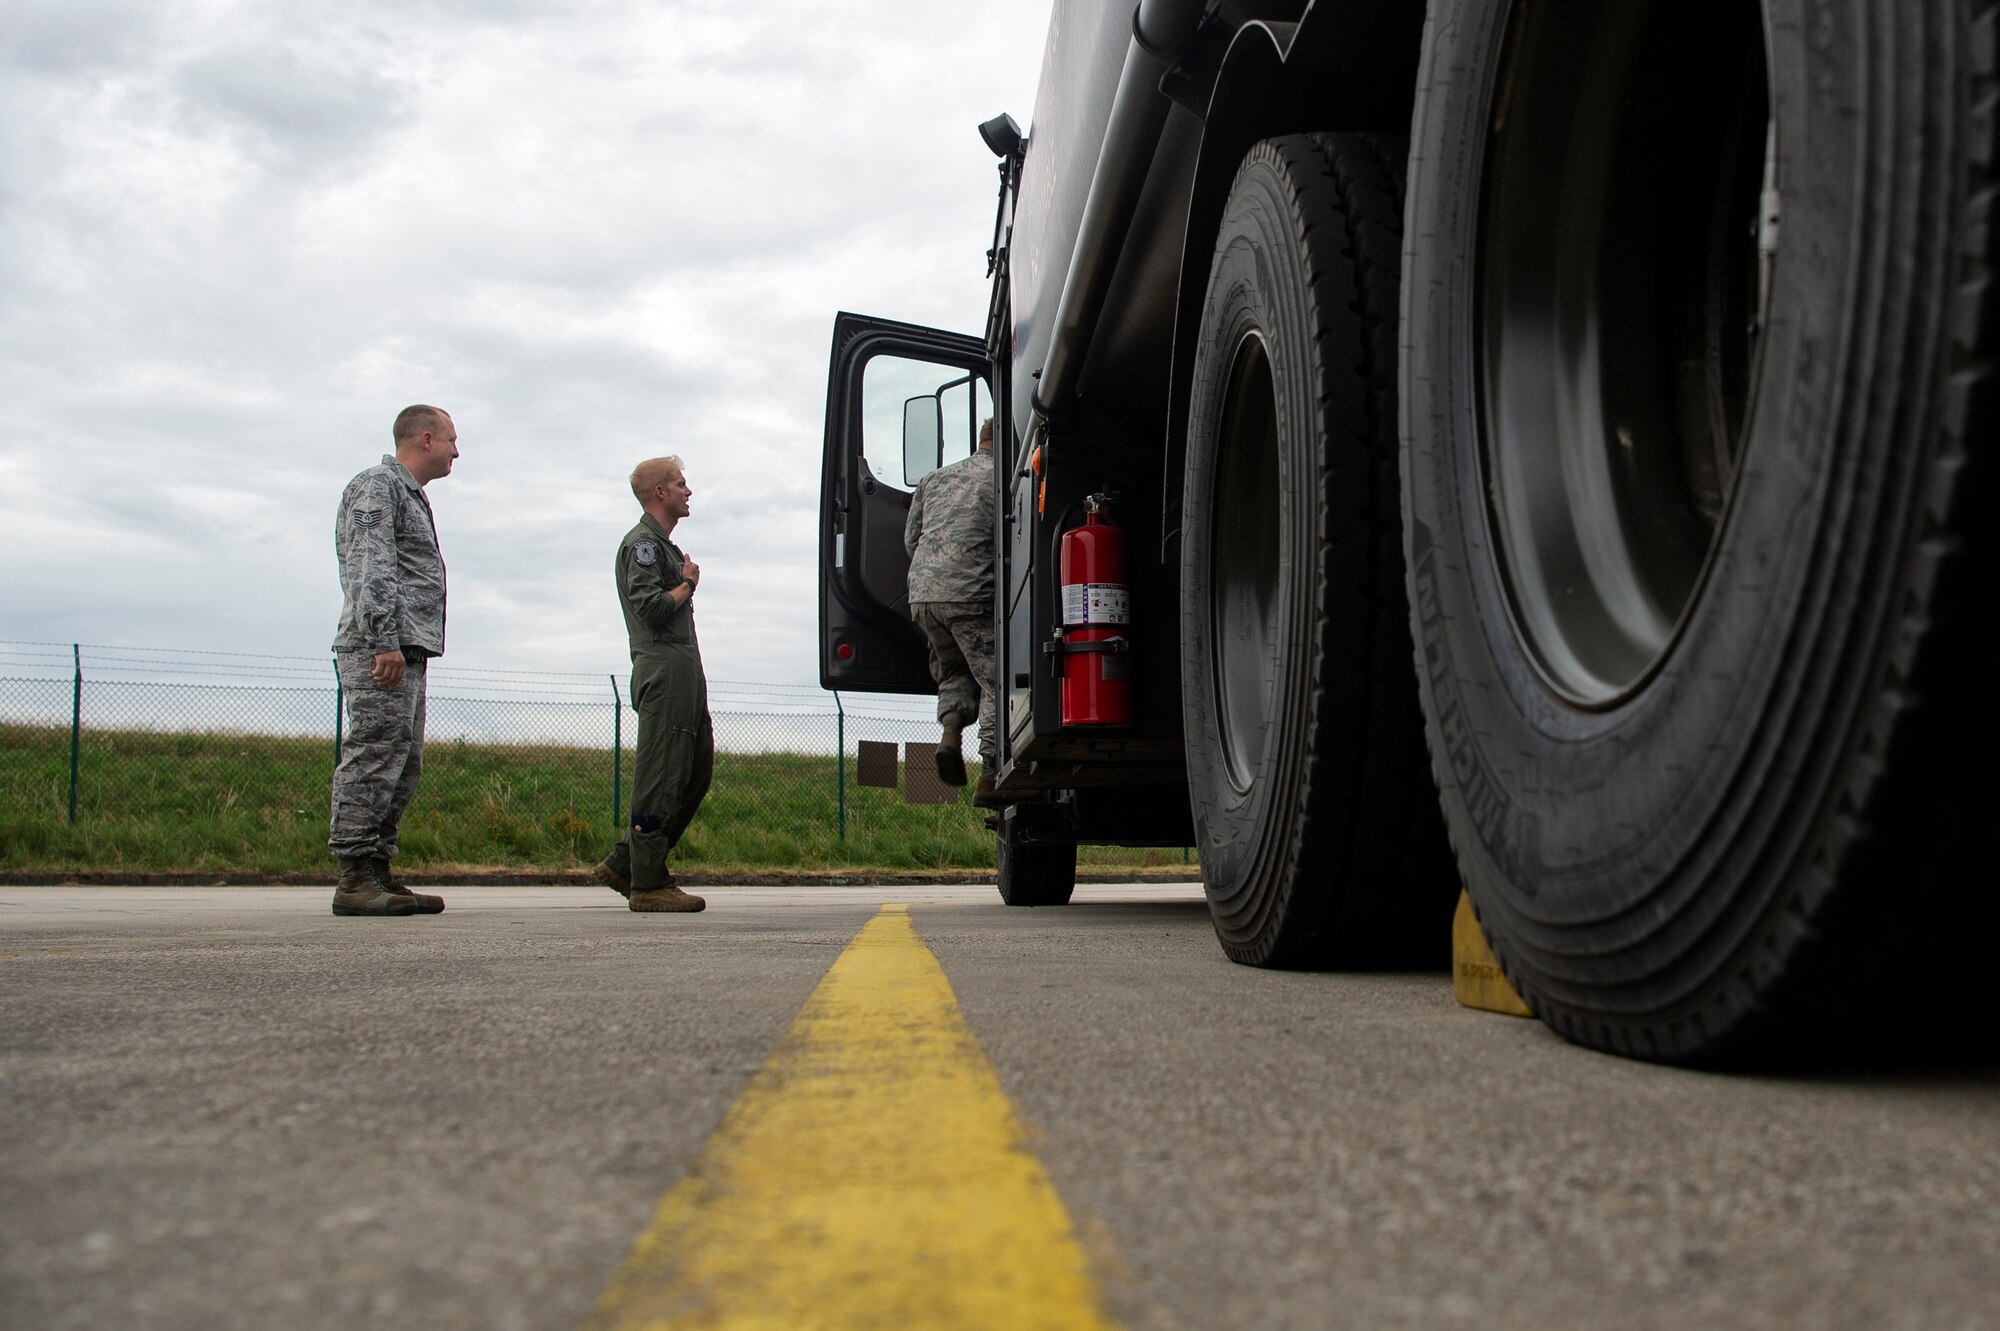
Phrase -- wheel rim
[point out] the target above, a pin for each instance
(1627, 234)
(1243, 567)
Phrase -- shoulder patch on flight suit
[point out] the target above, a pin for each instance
(646, 553)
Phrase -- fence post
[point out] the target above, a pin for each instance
(617, 754)
(75, 726)
(338, 703)
(840, 758)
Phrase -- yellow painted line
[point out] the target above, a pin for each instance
(872, 1176)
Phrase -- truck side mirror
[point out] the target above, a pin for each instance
(923, 438)
(1002, 135)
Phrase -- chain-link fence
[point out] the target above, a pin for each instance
(143, 759)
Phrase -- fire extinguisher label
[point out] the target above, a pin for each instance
(1096, 603)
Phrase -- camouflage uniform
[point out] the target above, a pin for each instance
(949, 537)
(676, 759)
(392, 585)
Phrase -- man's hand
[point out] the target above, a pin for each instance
(388, 670)
(692, 572)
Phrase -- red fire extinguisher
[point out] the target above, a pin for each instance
(1097, 615)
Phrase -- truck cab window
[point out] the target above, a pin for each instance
(918, 415)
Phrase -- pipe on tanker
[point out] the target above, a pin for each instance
(1161, 30)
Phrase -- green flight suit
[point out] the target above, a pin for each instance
(676, 742)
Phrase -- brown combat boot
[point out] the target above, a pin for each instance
(426, 903)
(667, 898)
(611, 878)
(361, 891)
(951, 762)
(984, 796)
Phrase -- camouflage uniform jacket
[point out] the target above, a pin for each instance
(949, 534)
(649, 568)
(391, 570)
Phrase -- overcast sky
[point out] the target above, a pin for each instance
(236, 238)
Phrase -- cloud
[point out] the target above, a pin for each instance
(71, 38)
(295, 101)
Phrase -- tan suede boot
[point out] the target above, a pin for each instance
(667, 899)
(361, 891)
(611, 878)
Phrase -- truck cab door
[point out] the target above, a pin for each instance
(901, 401)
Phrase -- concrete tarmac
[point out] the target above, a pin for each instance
(227, 1109)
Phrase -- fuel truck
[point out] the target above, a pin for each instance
(1526, 446)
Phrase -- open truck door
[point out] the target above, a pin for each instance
(901, 401)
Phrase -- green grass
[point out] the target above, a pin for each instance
(215, 802)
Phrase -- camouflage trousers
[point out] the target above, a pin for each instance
(960, 634)
(381, 757)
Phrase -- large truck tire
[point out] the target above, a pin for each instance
(1700, 408)
(1314, 809)
(1033, 874)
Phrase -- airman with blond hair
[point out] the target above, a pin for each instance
(676, 758)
